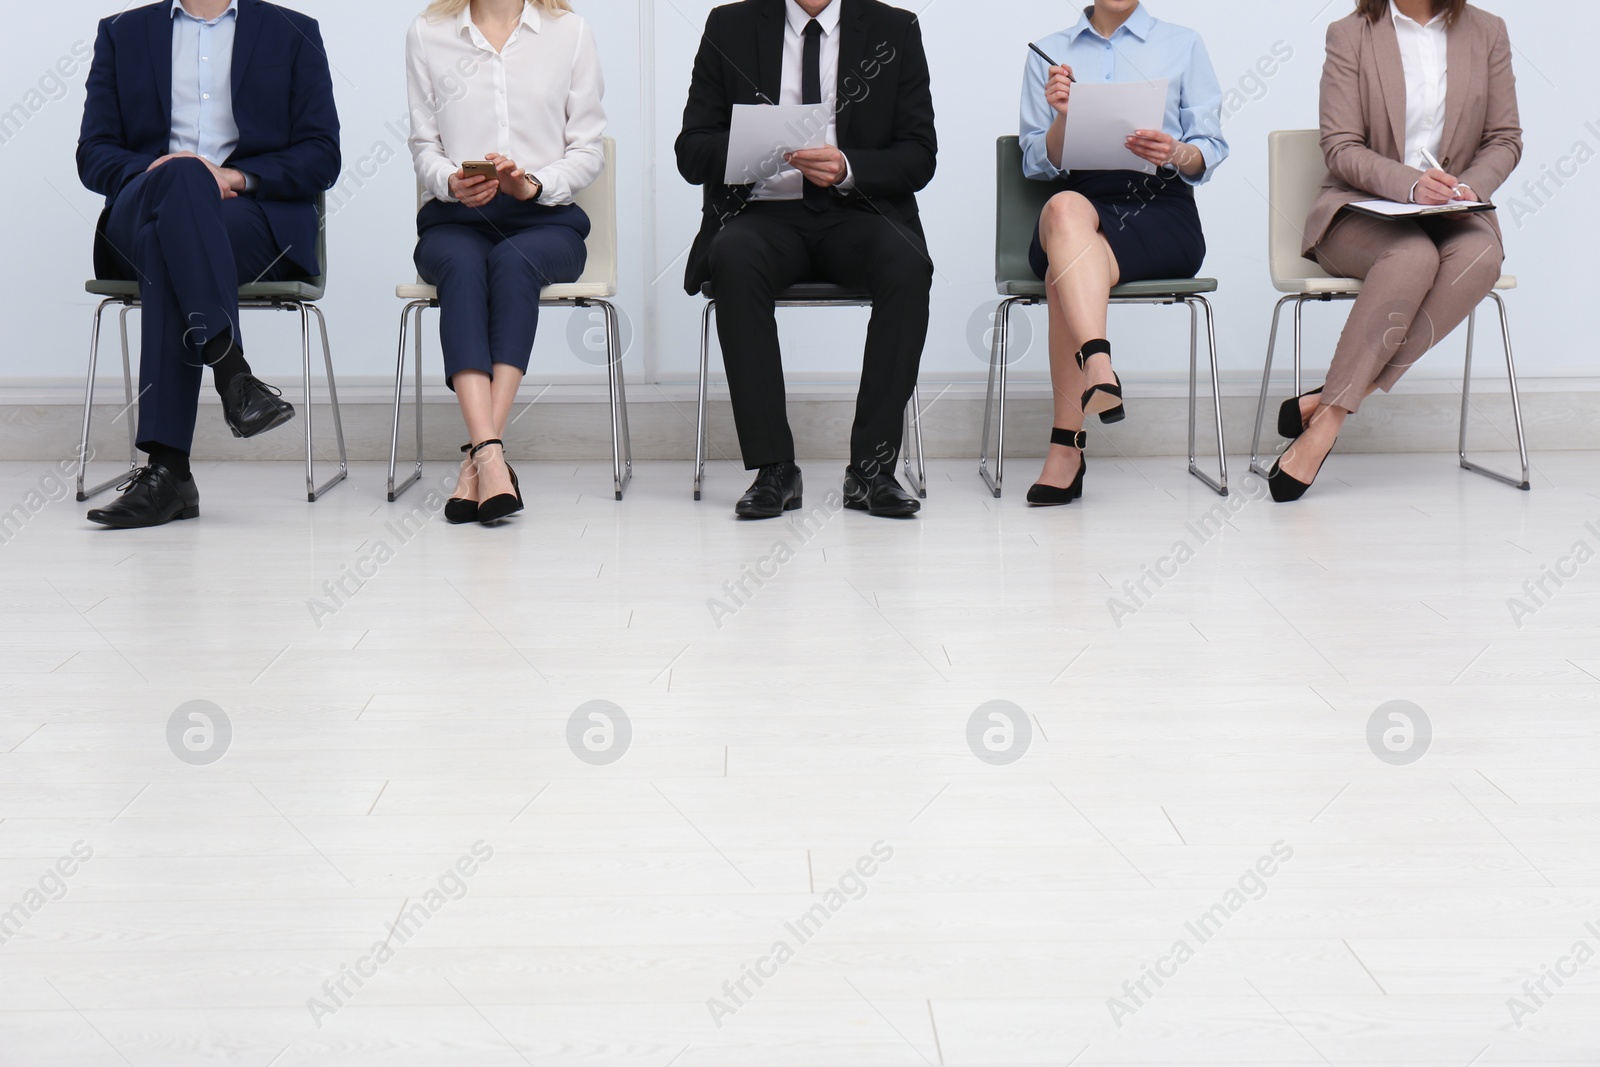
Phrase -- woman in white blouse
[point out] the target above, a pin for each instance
(516, 83)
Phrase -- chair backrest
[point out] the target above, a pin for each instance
(1296, 170)
(1018, 201)
(599, 202)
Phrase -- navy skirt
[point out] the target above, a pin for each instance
(1150, 222)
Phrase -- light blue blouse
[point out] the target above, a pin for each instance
(1142, 49)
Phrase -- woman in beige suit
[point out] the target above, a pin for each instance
(1419, 105)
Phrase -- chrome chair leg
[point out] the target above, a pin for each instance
(1220, 483)
(314, 492)
(621, 446)
(410, 311)
(999, 358)
(85, 447)
(1266, 385)
(918, 476)
(700, 428)
(305, 353)
(1516, 401)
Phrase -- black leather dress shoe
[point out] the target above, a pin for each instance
(155, 496)
(878, 495)
(253, 407)
(776, 490)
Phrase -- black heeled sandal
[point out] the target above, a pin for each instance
(458, 511)
(1291, 423)
(1053, 496)
(505, 504)
(1102, 400)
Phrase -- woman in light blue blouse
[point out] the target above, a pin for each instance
(1108, 227)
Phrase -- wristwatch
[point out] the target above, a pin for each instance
(538, 186)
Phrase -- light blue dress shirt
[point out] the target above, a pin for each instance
(202, 84)
(1142, 49)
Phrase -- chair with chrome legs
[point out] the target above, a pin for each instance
(595, 289)
(1020, 200)
(807, 295)
(1296, 174)
(296, 296)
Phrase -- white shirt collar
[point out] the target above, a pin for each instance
(798, 19)
(179, 9)
(1400, 16)
(530, 19)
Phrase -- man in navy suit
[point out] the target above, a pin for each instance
(210, 128)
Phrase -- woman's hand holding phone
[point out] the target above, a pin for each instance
(513, 180)
(473, 190)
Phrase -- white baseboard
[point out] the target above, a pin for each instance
(40, 420)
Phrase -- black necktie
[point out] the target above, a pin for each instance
(816, 197)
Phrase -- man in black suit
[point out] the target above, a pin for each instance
(845, 213)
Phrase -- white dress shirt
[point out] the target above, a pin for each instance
(1424, 51)
(538, 101)
(789, 183)
(202, 84)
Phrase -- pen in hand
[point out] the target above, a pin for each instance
(1427, 157)
(1041, 54)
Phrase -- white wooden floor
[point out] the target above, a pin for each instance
(420, 728)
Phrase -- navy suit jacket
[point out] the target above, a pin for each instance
(282, 102)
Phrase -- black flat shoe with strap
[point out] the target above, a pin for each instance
(1053, 496)
(504, 505)
(1102, 400)
(458, 511)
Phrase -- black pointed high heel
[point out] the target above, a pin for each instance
(1291, 423)
(1285, 488)
(1102, 400)
(458, 511)
(505, 504)
(1053, 496)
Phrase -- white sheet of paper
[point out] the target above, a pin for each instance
(1406, 211)
(762, 134)
(1103, 115)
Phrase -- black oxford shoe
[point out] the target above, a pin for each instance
(253, 407)
(776, 490)
(155, 496)
(878, 495)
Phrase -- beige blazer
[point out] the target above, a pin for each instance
(1364, 114)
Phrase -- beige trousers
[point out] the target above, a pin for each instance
(1421, 279)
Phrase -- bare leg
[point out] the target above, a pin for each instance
(475, 394)
(507, 380)
(1082, 273)
(1061, 463)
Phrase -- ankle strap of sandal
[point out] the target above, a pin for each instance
(493, 441)
(1097, 347)
(1068, 438)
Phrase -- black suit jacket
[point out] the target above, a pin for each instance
(282, 102)
(885, 109)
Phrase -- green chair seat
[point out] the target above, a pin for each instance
(1033, 287)
(311, 289)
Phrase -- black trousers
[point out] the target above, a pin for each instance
(772, 245)
(189, 250)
